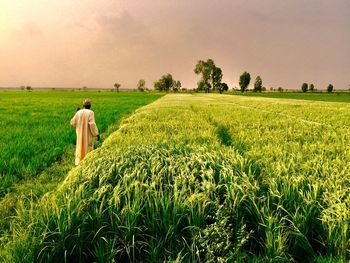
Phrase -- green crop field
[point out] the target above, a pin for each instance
(200, 178)
(35, 126)
(37, 142)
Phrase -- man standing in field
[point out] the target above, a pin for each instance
(86, 129)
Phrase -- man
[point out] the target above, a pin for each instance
(86, 129)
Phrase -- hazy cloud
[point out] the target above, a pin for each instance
(96, 43)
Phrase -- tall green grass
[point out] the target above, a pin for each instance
(35, 126)
(201, 178)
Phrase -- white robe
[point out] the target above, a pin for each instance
(86, 129)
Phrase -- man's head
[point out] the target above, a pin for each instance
(87, 103)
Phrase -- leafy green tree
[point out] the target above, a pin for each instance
(216, 77)
(116, 86)
(223, 87)
(204, 68)
(141, 85)
(165, 83)
(176, 85)
(330, 88)
(258, 84)
(311, 87)
(244, 81)
(202, 85)
(211, 75)
(304, 87)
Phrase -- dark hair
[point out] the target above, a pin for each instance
(87, 106)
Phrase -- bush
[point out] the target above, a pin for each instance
(330, 88)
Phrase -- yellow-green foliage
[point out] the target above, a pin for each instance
(202, 178)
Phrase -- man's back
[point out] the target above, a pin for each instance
(82, 118)
(84, 122)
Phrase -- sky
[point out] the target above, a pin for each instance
(95, 43)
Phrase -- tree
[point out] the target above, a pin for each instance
(258, 84)
(116, 86)
(204, 68)
(141, 85)
(223, 87)
(304, 87)
(216, 78)
(244, 81)
(176, 85)
(330, 88)
(165, 83)
(29, 88)
(311, 87)
(211, 75)
(202, 85)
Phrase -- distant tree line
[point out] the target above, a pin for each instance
(211, 78)
(305, 87)
(211, 81)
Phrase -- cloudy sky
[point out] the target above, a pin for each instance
(95, 43)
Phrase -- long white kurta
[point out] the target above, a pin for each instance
(86, 129)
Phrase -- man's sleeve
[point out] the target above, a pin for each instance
(92, 125)
(73, 121)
